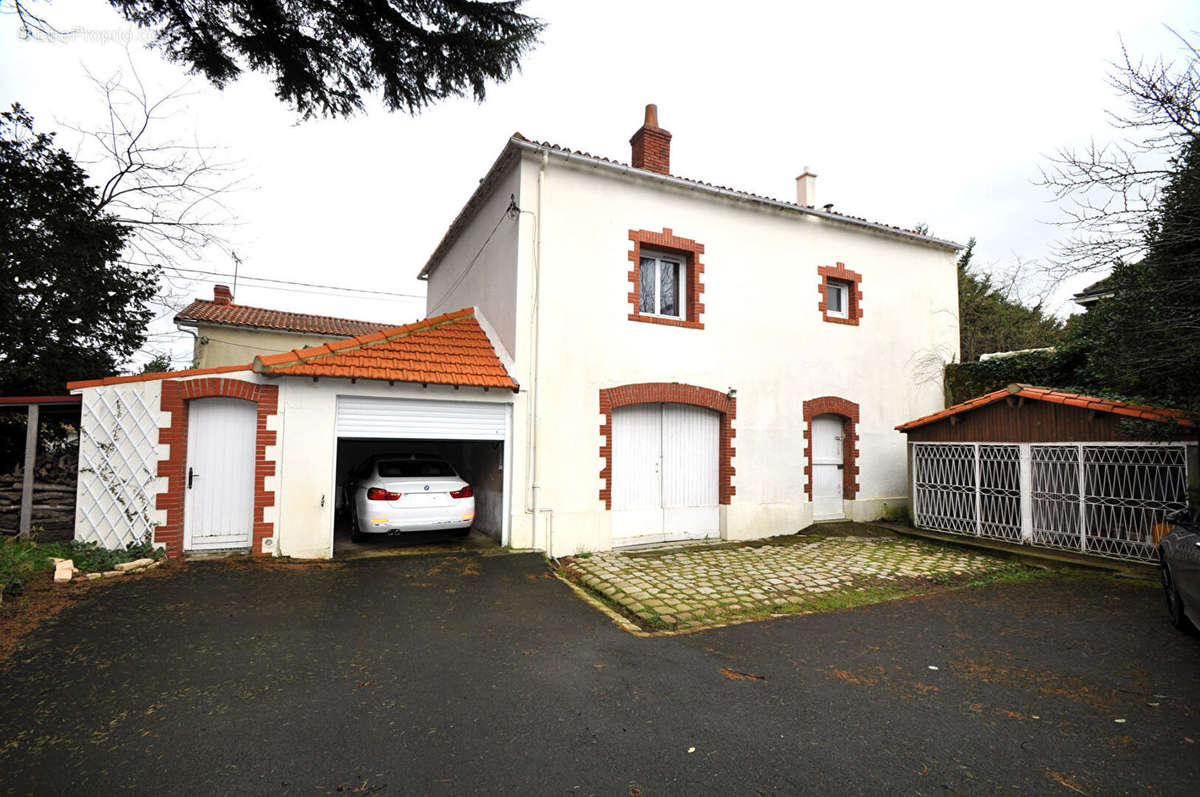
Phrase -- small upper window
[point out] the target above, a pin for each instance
(837, 298)
(841, 294)
(660, 284)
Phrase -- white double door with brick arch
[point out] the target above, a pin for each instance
(827, 467)
(665, 473)
(218, 506)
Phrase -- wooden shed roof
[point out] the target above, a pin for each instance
(1045, 394)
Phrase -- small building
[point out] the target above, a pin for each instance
(225, 333)
(251, 457)
(1037, 466)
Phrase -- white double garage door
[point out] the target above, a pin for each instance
(665, 473)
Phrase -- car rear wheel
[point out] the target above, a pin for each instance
(355, 533)
(1174, 602)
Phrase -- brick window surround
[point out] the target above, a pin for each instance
(853, 295)
(848, 410)
(175, 397)
(670, 393)
(666, 241)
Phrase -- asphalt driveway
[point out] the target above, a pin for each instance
(479, 674)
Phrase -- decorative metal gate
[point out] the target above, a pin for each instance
(1000, 492)
(968, 488)
(1096, 498)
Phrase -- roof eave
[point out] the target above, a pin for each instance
(514, 387)
(1033, 393)
(1091, 298)
(197, 323)
(625, 169)
(81, 384)
(516, 143)
(484, 188)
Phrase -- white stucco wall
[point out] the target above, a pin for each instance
(480, 267)
(763, 336)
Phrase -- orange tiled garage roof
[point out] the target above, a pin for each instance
(203, 311)
(1054, 397)
(450, 349)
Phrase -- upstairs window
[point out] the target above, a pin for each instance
(841, 294)
(665, 279)
(837, 294)
(660, 282)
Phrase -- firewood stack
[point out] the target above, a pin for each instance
(53, 498)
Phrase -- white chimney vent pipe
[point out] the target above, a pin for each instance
(806, 188)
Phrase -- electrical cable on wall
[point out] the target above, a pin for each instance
(508, 213)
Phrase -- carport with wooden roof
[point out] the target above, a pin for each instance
(1037, 466)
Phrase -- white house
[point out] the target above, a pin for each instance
(694, 361)
(641, 357)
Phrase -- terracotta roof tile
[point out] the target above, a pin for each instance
(203, 311)
(450, 349)
(1055, 397)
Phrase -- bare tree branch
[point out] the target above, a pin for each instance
(1108, 192)
(171, 193)
(31, 25)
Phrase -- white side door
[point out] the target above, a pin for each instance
(637, 474)
(691, 472)
(218, 507)
(827, 464)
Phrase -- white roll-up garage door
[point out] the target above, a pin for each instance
(419, 419)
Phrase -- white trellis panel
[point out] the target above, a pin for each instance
(118, 463)
(1098, 498)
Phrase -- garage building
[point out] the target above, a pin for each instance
(252, 457)
(1051, 468)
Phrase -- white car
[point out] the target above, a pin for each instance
(398, 494)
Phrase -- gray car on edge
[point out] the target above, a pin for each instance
(1179, 558)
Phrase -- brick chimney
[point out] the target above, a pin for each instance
(652, 145)
(222, 294)
(806, 188)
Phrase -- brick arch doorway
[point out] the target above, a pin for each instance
(831, 451)
(177, 401)
(668, 461)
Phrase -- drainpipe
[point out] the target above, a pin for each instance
(535, 344)
(195, 344)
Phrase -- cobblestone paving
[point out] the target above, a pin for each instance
(698, 587)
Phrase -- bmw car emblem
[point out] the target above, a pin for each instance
(427, 488)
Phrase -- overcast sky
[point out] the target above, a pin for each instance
(909, 112)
